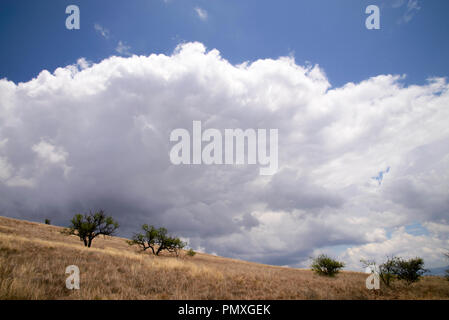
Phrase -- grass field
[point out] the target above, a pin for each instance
(34, 256)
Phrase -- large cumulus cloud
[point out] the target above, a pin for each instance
(97, 136)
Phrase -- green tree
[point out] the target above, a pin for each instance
(388, 270)
(326, 266)
(146, 240)
(157, 240)
(89, 226)
(410, 270)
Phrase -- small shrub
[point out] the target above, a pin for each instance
(410, 270)
(47, 221)
(191, 252)
(326, 266)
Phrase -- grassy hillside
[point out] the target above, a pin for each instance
(34, 256)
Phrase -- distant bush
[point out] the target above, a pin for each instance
(396, 268)
(410, 270)
(191, 252)
(157, 240)
(47, 221)
(326, 266)
(88, 226)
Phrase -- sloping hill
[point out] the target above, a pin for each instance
(34, 257)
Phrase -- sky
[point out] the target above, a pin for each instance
(86, 116)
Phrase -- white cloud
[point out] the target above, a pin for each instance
(83, 63)
(49, 153)
(202, 14)
(5, 169)
(110, 124)
(438, 229)
(9, 175)
(52, 155)
(401, 244)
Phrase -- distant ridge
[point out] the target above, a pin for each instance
(437, 271)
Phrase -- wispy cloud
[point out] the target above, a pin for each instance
(123, 49)
(411, 10)
(102, 30)
(202, 14)
(397, 3)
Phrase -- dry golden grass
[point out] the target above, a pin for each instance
(34, 256)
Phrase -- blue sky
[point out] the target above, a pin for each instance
(329, 33)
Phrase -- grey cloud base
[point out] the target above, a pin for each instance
(97, 136)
